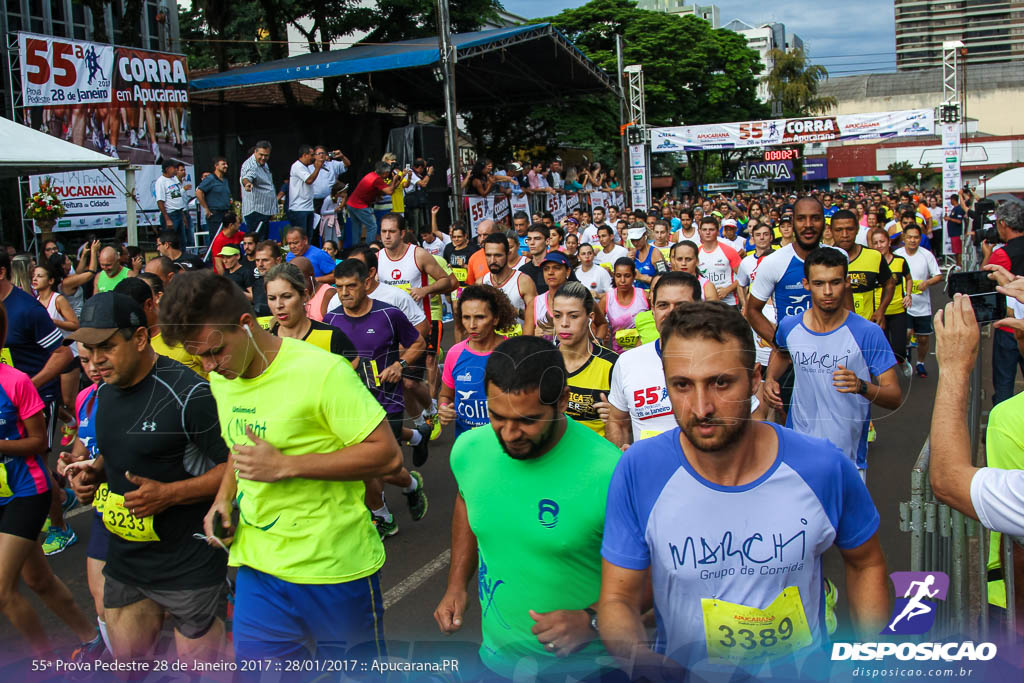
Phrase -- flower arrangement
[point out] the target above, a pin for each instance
(44, 204)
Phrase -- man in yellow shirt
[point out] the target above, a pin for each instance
(308, 555)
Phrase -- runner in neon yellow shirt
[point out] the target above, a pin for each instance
(304, 433)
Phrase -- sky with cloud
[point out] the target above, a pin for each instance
(846, 37)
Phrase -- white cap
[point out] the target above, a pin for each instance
(728, 221)
(636, 233)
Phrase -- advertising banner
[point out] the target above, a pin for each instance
(124, 102)
(778, 171)
(480, 210)
(598, 199)
(638, 176)
(816, 168)
(519, 202)
(501, 209)
(61, 72)
(951, 176)
(911, 122)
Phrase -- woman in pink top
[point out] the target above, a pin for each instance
(622, 304)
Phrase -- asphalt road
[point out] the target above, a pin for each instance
(414, 577)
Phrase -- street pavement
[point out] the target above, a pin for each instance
(415, 575)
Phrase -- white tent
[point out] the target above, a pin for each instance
(1007, 181)
(24, 151)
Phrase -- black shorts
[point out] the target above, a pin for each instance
(920, 324)
(99, 540)
(434, 338)
(395, 421)
(24, 516)
(192, 611)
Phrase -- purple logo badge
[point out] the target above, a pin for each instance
(916, 593)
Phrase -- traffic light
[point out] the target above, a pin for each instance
(949, 113)
(634, 135)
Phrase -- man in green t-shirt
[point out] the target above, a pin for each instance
(534, 540)
(1004, 449)
(304, 433)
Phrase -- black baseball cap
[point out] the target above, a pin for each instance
(106, 313)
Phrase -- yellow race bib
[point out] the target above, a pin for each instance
(648, 433)
(915, 287)
(265, 321)
(5, 357)
(5, 488)
(119, 521)
(627, 338)
(102, 493)
(404, 286)
(460, 274)
(738, 633)
(514, 331)
(610, 267)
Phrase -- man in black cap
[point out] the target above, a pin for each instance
(162, 461)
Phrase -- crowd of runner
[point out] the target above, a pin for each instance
(662, 421)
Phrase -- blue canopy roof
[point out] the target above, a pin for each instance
(499, 63)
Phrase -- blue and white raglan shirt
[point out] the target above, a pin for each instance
(781, 275)
(817, 408)
(745, 545)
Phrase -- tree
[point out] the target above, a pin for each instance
(794, 83)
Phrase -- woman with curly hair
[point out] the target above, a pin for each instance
(480, 311)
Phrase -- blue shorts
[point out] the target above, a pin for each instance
(275, 619)
(99, 540)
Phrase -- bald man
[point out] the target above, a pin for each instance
(111, 271)
(476, 268)
(163, 267)
(320, 294)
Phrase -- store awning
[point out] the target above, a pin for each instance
(494, 66)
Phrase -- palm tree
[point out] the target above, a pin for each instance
(794, 83)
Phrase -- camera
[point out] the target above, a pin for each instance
(990, 235)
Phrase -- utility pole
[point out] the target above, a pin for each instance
(624, 158)
(447, 52)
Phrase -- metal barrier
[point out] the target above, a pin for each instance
(944, 540)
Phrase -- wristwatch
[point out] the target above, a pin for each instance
(403, 363)
(862, 388)
(593, 618)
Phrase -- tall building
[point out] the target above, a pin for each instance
(763, 39)
(708, 13)
(992, 30)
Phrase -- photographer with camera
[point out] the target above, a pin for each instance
(1003, 246)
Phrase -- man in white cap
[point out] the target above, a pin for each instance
(729, 236)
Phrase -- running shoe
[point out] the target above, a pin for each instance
(435, 429)
(912, 344)
(872, 434)
(417, 499)
(831, 596)
(908, 369)
(46, 526)
(59, 540)
(421, 452)
(384, 527)
(447, 317)
(89, 652)
(69, 434)
(70, 501)
(156, 153)
(921, 372)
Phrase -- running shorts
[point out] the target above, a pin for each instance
(192, 611)
(23, 516)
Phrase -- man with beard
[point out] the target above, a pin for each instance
(519, 288)
(782, 498)
(526, 541)
(842, 362)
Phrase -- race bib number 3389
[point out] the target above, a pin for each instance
(739, 633)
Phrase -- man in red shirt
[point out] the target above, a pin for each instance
(229, 235)
(360, 203)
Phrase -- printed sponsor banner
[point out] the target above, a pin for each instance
(143, 77)
(134, 104)
(598, 199)
(501, 209)
(572, 202)
(617, 199)
(556, 204)
(519, 202)
(911, 122)
(816, 168)
(96, 198)
(951, 176)
(480, 209)
(638, 176)
(779, 171)
(61, 72)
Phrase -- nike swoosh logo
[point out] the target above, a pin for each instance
(241, 515)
